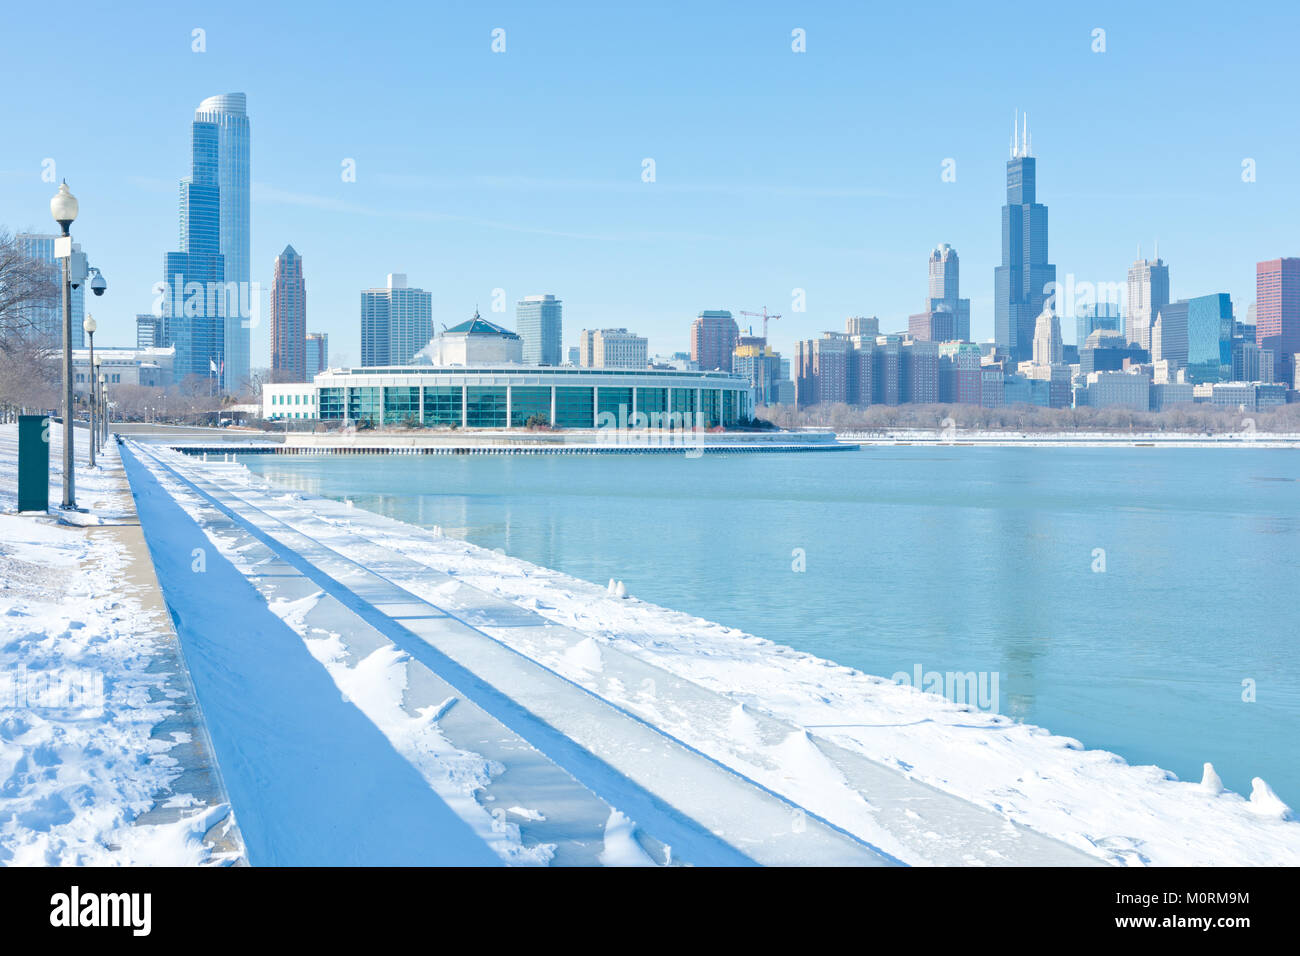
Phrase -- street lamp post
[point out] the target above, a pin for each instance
(103, 397)
(89, 327)
(99, 398)
(64, 209)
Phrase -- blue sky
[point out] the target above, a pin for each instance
(774, 170)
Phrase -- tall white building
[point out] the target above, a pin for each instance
(1048, 349)
(1148, 290)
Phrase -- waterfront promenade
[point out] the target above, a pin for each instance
(135, 762)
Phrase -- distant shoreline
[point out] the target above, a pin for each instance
(994, 438)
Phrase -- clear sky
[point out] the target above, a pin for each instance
(774, 170)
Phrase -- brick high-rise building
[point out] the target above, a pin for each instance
(713, 339)
(919, 379)
(1277, 313)
(960, 377)
(289, 318)
(822, 370)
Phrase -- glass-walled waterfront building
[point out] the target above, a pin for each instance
(515, 397)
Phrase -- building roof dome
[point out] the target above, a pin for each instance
(480, 326)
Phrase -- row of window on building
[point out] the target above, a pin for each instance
(470, 406)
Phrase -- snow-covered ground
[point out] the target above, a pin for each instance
(909, 774)
(83, 689)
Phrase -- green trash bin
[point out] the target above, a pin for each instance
(33, 463)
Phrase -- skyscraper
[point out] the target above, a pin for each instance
(318, 353)
(1021, 282)
(1048, 349)
(229, 113)
(1169, 344)
(1277, 313)
(289, 318)
(1148, 290)
(947, 316)
(396, 322)
(945, 293)
(46, 318)
(713, 339)
(195, 300)
(1209, 338)
(538, 321)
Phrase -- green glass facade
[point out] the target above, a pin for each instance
(401, 404)
(364, 404)
(410, 401)
(650, 400)
(444, 405)
(528, 402)
(711, 407)
(574, 408)
(485, 406)
(609, 401)
(331, 403)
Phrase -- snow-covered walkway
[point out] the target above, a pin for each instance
(103, 758)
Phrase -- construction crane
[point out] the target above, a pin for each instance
(764, 316)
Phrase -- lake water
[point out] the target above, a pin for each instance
(951, 559)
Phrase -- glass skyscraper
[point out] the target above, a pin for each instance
(1021, 282)
(195, 304)
(538, 321)
(1209, 338)
(229, 113)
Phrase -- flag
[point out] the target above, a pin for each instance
(212, 366)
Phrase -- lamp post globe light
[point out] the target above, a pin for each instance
(89, 326)
(63, 207)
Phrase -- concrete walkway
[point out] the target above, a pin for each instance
(185, 729)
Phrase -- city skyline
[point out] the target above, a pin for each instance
(741, 230)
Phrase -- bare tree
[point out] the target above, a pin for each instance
(29, 374)
(27, 286)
